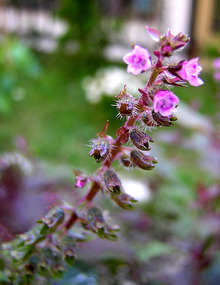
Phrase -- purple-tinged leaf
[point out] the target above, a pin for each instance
(154, 34)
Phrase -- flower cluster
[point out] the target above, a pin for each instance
(139, 61)
(155, 107)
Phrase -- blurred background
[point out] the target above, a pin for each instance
(60, 68)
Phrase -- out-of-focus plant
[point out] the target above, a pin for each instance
(17, 63)
(43, 251)
(85, 29)
(216, 65)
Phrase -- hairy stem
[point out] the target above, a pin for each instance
(87, 198)
(115, 150)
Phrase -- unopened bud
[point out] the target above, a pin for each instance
(50, 261)
(125, 201)
(125, 160)
(142, 161)
(148, 119)
(123, 132)
(169, 43)
(96, 220)
(54, 218)
(140, 139)
(100, 150)
(125, 107)
(112, 182)
(125, 103)
(180, 40)
(161, 120)
(174, 67)
(68, 249)
(166, 50)
(31, 236)
(81, 179)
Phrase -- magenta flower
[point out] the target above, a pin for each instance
(217, 76)
(216, 63)
(165, 102)
(190, 71)
(138, 60)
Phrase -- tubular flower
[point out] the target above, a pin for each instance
(165, 102)
(190, 71)
(138, 60)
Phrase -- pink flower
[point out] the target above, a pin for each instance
(81, 179)
(217, 76)
(138, 60)
(190, 71)
(165, 102)
(216, 63)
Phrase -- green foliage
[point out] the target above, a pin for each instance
(85, 25)
(16, 62)
(154, 249)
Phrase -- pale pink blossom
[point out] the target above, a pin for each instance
(217, 76)
(190, 71)
(138, 60)
(165, 102)
(216, 63)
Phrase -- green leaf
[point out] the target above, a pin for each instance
(111, 237)
(44, 229)
(28, 278)
(154, 249)
(69, 260)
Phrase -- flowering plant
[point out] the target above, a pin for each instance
(43, 250)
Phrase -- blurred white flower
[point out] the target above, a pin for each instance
(137, 189)
(109, 82)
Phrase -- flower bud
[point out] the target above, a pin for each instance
(124, 200)
(142, 161)
(125, 160)
(31, 236)
(180, 40)
(68, 249)
(169, 43)
(166, 50)
(81, 179)
(148, 119)
(125, 107)
(54, 218)
(140, 139)
(125, 103)
(123, 132)
(162, 120)
(96, 220)
(50, 262)
(112, 182)
(171, 79)
(100, 150)
(96, 223)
